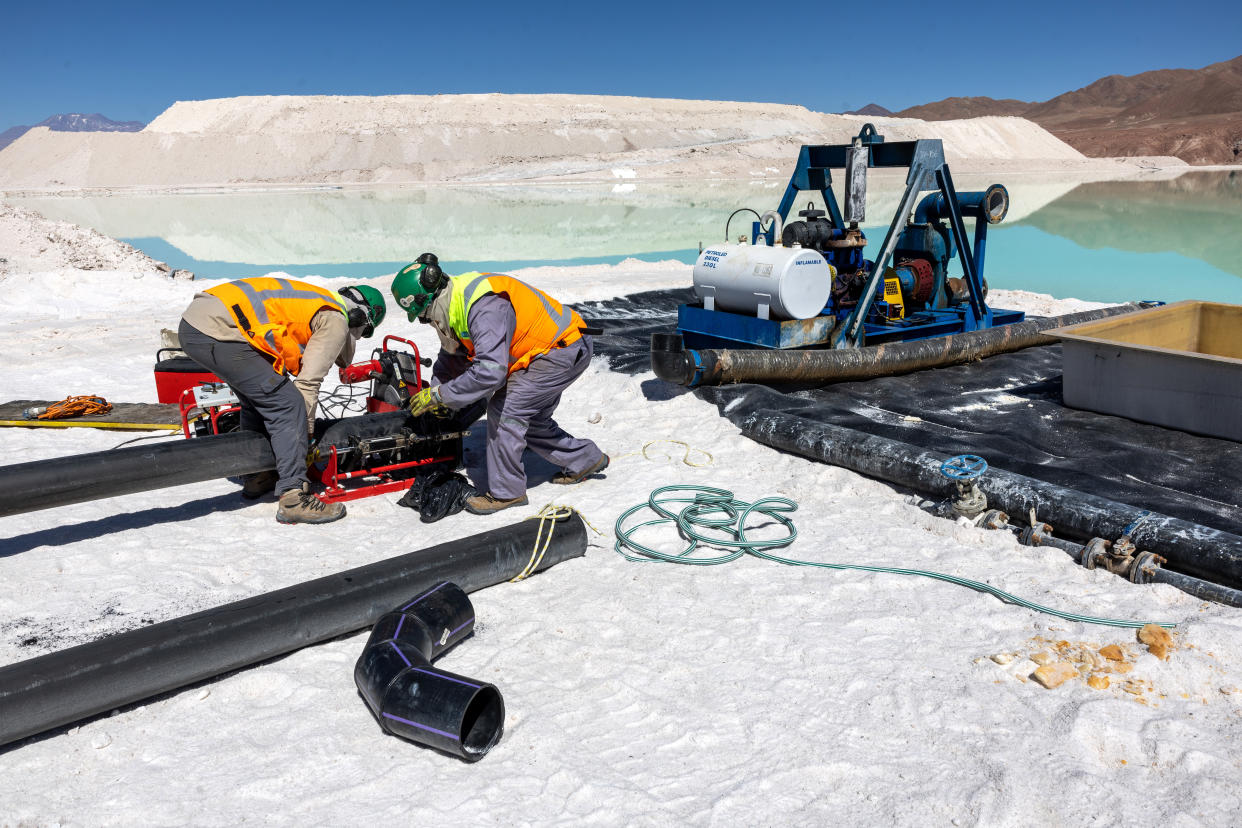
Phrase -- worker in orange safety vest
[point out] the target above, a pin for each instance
(511, 343)
(273, 340)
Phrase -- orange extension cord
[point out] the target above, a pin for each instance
(76, 407)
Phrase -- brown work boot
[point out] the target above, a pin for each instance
(258, 484)
(569, 478)
(485, 504)
(300, 506)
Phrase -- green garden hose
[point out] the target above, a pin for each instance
(718, 511)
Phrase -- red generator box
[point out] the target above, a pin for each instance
(174, 375)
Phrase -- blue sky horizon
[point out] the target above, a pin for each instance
(132, 60)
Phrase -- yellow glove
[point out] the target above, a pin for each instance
(428, 401)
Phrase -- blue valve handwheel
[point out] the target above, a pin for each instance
(964, 467)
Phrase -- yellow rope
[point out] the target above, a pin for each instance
(685, 458)
(548, 516)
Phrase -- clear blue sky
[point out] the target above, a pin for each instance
(131, 60)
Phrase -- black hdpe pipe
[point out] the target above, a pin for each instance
(59, 688)
(1197, 587)
(412, 699)
(1188, 547)
(62, 481)
(817, 367)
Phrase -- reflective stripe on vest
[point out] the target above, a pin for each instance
(542, 322)
(275, 315)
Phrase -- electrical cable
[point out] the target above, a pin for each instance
(338, 405)
(76, 406)
(734, 513)
(148, 437)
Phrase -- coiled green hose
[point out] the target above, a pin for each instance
(707, 503)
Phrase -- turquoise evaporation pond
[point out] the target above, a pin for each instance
(1168, 239)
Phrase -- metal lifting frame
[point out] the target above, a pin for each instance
(928, 171)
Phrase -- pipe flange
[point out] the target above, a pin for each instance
(1095, 553)
(1035, 534)
(992, 519)
(1144, 567)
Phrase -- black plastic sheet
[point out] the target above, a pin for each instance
(437, 494)
(1006, 409)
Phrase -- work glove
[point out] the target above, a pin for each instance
(428, 401)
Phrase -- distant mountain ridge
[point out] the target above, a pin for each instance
(72, 122)
(1194, 114)
(871, 109)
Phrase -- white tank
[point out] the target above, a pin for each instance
(762, 281)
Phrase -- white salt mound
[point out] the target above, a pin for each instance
(493, 137)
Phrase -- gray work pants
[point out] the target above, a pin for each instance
(519, 416)
(270, 404)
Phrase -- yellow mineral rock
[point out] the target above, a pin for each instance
(1157, 639)
(1113, 653)
(1054, 675)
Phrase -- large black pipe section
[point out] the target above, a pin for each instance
(62, 481)
(819, 367)
(412, 699)
(1188, 547)
(58, 688)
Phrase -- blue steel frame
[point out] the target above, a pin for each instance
(928, 172)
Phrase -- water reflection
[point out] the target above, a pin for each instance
(1197, 215)
(1066, 235)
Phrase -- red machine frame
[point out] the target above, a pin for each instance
(333, 480)
(331, 476)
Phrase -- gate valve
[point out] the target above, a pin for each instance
(1121, 557)
(964, 470)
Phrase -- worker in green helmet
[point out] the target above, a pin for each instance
(515, 346)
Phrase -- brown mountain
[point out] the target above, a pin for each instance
(1194, 114)
(953, 108)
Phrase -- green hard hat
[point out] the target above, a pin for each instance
(376, 307)
(416, 284)
(372, 300)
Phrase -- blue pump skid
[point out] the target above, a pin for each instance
(907, 292)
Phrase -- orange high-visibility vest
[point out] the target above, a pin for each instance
(542, 322)
(275, 315)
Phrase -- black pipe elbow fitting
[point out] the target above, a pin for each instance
(671, 362)
(990, 205)
(416, 701)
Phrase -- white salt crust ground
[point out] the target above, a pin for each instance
(635, 693)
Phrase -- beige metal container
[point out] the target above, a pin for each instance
(1179, 365)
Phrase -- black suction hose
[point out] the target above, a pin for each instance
(1188, 547)
(821, 366)
(59, 688)
(414, 700)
